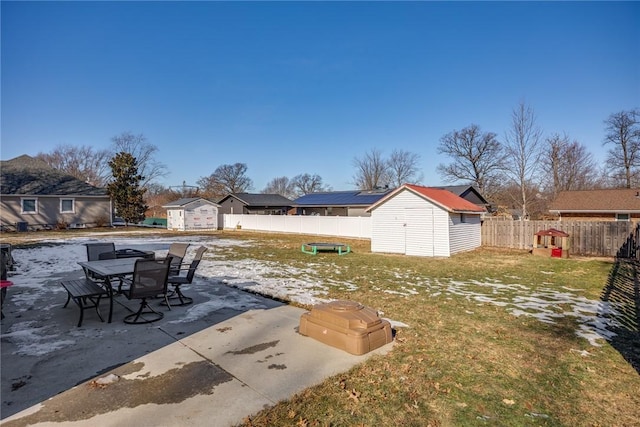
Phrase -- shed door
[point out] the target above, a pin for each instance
(419, 233)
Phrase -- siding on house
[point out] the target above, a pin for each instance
(87, 211)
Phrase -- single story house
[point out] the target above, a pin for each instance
(254, 204)
(33, 195)
(616, 204)
(338, 203)
(424, 221)
(194, 213)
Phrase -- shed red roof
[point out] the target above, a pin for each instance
(443, 198)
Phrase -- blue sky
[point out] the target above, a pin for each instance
(305, 87)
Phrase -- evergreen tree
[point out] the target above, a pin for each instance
(125, 188)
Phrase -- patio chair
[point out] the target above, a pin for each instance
(177, 251)
(95, 249)
(98, 251)
(149, 280)
(178, 280)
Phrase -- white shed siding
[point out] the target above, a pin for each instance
(441, 231)
(387, 232)
(201, 216)
(193, 216)
(388, 223)
(408, 224)
(175, 219)
(464, 236)
(420, 230)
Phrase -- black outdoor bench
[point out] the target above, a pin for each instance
(86, 293)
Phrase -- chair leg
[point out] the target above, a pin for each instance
(184, 300)
(134, 318)
(177, 294)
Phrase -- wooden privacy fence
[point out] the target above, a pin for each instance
(601, 238)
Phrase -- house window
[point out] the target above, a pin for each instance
(463, 218)
(67, 206)
(623, 217)
(29, 206)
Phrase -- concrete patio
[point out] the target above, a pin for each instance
(201, 364)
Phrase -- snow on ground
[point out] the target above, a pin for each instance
(55, 258)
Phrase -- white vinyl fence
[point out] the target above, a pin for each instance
(358, 227)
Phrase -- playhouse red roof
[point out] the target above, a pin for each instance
(552, 232)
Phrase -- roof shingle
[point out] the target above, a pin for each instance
(609, 200)
(25, 175)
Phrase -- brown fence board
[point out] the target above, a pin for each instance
(601, 238)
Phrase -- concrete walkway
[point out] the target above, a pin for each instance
(214, 377)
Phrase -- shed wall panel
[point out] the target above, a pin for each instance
(441, 236)
(420, 232)
(464, 236)
(388, 232)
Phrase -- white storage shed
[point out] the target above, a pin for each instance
(192, 214)
(424, 221)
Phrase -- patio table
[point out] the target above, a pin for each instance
(110, 268)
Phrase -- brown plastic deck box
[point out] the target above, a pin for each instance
(347, 325)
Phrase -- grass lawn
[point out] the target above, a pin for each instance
(490, 338)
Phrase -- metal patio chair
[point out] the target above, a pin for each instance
(177, 252)
(149, 280)
(178, 280)
(98, 251)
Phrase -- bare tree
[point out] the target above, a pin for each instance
(306, 183)
(282, 186)
(84, 163)
(226, 179)
(372, 171)
(623, 133)
(144, 152)
(522, 148)
(567, 165)
(476, 157)
(402, 168)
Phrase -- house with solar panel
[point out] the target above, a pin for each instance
(254, 204)
(338, 203)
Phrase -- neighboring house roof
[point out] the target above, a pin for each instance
(363, 198)
(25, 175)
(259, 199)
(620, 200)
(443, 198)
(186, 201)
(464, 191)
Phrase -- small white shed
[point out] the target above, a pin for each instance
(192, 214)
(424, 221)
